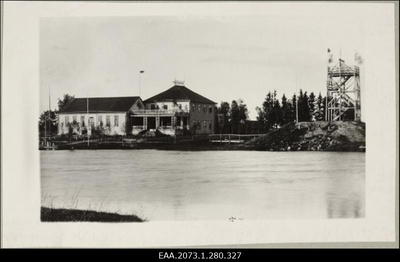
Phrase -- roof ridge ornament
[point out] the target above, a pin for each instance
(178, 82)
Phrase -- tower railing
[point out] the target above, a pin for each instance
(343, 93)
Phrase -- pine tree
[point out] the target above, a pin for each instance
(320, 108)
(311, 106)
(305, 109)
(265, 112)
(293, 110)
(286, 111)
(276, 115)
(300, 109)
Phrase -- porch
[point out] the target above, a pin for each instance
(168, 122)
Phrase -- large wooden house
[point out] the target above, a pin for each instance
(175, 110)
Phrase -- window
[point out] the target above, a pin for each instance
(91, 122)
(210, 109)
(66, 120)
(108, 122)
(82, 120)
(210, 125)
(116, 122)
(199, 108)
(100, 120)
(205, 109)
(194, 107)
(74, 120)
(165, 107)
(180, 106)
(153, 106)
(205, 123)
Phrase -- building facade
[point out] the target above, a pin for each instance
(174, 111)
(109, 115)
(171, 112)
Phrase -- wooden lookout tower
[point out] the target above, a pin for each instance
(343, 101)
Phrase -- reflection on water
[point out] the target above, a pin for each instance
(174, 185)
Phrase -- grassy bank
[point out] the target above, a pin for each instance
(74, 215)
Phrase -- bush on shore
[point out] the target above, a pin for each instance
(48, 214)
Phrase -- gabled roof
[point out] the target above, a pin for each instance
(178, 92)
(100, 104)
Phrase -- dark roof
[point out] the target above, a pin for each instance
(179, 93)
(100, 104)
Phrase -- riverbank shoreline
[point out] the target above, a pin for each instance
(304, 136)
(172, 147)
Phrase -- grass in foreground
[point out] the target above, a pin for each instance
(74, 215)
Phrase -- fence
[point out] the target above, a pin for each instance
(231, 138)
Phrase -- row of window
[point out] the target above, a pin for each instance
(205, 124)
(165, 107)
(204, 108)
(91, 120)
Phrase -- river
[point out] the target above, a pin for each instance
(206, 185)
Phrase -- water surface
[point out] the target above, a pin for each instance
(205, 185)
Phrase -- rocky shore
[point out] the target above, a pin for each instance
(313, 136)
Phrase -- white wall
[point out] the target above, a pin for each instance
(113, 130)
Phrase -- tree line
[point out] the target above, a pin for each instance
(231, 118)
(273, 113)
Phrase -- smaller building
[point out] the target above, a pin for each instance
(108, 115)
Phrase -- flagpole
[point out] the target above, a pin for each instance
(140, 75)
(49, 112)
(327, 93)
(297, 104)
(87, 109)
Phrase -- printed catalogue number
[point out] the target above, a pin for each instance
(199, 255)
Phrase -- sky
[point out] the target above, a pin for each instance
(223, 58)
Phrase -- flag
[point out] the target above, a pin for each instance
(141, 71)
(330, 56)
(358, 58)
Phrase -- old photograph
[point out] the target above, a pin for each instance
(171, 118)
(252, 113)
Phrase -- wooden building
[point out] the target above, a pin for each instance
(170, 112)
(174, 110)
(110, 114)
